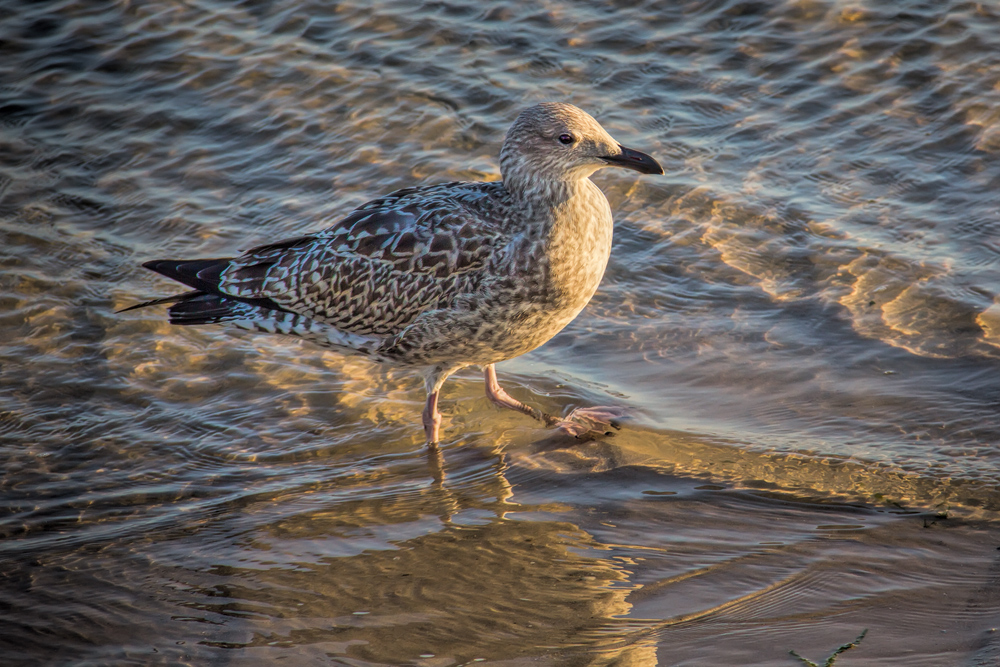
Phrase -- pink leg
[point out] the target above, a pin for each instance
(432, 418)
(581, 422)
(502, 399)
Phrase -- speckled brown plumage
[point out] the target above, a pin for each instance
(437, 277)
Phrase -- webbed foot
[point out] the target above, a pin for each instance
(589, 423)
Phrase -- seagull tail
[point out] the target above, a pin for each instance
(206, 304)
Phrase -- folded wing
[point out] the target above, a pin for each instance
(373, 273)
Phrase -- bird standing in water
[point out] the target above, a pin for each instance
(439, 277)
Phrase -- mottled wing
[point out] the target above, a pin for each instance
(380, 267)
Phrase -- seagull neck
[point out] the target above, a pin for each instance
(533, 190)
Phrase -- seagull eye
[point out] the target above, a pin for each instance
(565, 138)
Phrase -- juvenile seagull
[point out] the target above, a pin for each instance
(439, 277)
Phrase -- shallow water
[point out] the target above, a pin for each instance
(804, 316)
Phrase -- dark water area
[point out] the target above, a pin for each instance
(803, 316)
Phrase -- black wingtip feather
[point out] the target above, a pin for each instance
(157, 302)
(203, 309)
(201, 274)
(206, 304)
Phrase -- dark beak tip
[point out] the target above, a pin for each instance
(635, 160)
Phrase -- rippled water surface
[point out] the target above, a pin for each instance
(803, 314)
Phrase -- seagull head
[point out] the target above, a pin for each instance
(553, 141)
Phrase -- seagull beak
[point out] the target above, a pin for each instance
(631, 159)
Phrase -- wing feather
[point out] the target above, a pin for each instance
(379, 268)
